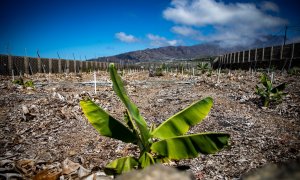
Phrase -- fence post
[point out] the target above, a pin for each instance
(59, 65)
(270, 58)
(80, 67)
(281, 52)
(50, 65)
(226, 58)
(249, 52)
(39, 65)
(292, 56)
(67, 66)
(243, 56)
(75, 70)
(10, 64)
(26, 65)
(234, 54)
(263, 54)
(271, 54)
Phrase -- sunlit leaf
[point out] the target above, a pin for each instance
(132, 108)
(105, 124)
(189, 146)
(121, 165)
(181, 122)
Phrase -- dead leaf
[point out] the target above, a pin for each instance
(69, 166)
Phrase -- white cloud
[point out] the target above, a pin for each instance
(185, 31)
(233, 23)
(159, 41)
(269, 6)
(128, 38)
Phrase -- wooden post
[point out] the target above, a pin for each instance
(255, 59)
(271, 54)
(249, 51)
(75, 70)
(243, 56)
(39, 65)
(281, 52)
(67, 66)
(263, 54)
(80, 67)
(270, 58)
(227, 58)
(238, 59)
(26, 65)
(234, 57)
(59, 65)
(292, 56)
(10, 64)
(50, 66)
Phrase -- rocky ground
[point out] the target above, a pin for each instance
(43, 130)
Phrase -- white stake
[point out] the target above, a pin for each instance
(193, 71)
(219, 71)
(272, 77)
(95, 82)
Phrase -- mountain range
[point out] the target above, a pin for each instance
(186, 52)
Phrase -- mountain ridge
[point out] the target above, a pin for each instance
(185, 52)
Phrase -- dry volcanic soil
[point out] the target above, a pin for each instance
(44, 128)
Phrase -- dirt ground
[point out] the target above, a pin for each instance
(44, 126)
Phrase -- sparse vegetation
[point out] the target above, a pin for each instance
(21, 82)
(202, 67)
(267, 93)
(294, 71)
(159, 72)
(157, 145)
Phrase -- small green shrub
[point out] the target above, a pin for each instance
(209, 72)
(159, 71)
(157, 145)
(29, 84)
(21, 82)
(267, 93)
(294, 71)
(203, 67)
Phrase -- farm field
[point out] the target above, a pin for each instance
(41, 127)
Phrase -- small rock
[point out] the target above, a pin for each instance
(25, 109)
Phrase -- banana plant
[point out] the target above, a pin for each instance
(267, 93)
(168, 141)
(203, 67)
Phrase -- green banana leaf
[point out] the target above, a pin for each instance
(189, 146)
(128, 120)
(146, 160)
(180, 123)
(121, 165)
(264, 79)
(105, 124)
(132, 108)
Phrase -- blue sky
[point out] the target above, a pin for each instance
(101, 28)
